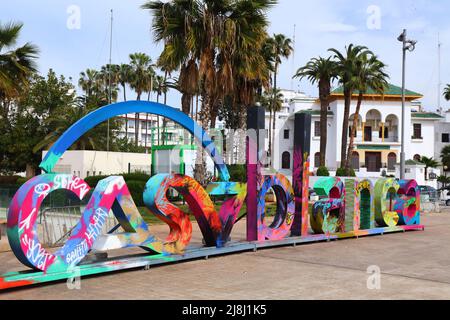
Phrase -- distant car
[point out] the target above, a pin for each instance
(445, 195)
(427, 189)
(432, 193)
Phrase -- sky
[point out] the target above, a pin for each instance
(74, 35)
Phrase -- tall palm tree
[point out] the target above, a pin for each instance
(180, 45)
(269, 104)
(16, 64)
(208, 36)
(281, 48)
(347, 71)
(88, 82)
(447, 92)
(141, 75)
(160, 89)
(321, 71)
(429, 163)
(124, 78)
(370, 75)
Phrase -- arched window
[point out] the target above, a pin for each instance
(317, 160)
(417, 158)
(392, 161)
(355, 160)
(286, 160)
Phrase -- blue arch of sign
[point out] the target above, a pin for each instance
(103, 114)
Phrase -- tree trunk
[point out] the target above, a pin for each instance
(158, 120)
(136, 121)
(200, 166)
(165, 103)
(354, 128)
(324, 88)
(348, 100)
(30, 171)
(214, 114)
(274, 111)
(270, 134)
(186, 103)
(146, 129)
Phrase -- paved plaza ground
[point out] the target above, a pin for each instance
(414, 265)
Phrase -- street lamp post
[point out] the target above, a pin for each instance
(408, 45)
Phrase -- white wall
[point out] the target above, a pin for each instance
(84, 163)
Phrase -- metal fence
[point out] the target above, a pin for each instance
(6, 195)
(56, 224)
(429, 196)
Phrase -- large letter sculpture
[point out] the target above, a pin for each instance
(347, 207)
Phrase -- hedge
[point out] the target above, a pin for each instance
(342, 172)
(142, 177)
(323, 172)
(238, 172)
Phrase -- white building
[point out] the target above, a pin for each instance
(97, 163)
(378, 138)
(150, 131)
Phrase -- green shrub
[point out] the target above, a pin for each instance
(342, 172)
(92, 181)
(238, 172)
(21, 181)
(137, 176)
(323, 172)
(137, 190)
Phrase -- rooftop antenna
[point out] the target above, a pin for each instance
(439, 76)
(109, 74)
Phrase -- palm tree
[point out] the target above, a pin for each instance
(347, 71)
(124, 78)
(444, 180)
(88, 82)
(16, 64)
(179, 43)
(207, 37)
(269, 104)
(445, 157)
(429, 163)
(141, 76)
(281, 48)
(61, 122)
(447, 92)
(107, 74)
(322, 71)
(370, 75)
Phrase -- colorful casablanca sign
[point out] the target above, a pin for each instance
(348, 208)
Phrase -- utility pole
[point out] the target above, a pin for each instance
(439, 76)
(110, 71)
(293, 56)
(408, 45)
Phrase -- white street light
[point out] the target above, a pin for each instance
(408, 45)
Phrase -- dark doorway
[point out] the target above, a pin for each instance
(368, 134)
(373, 161)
